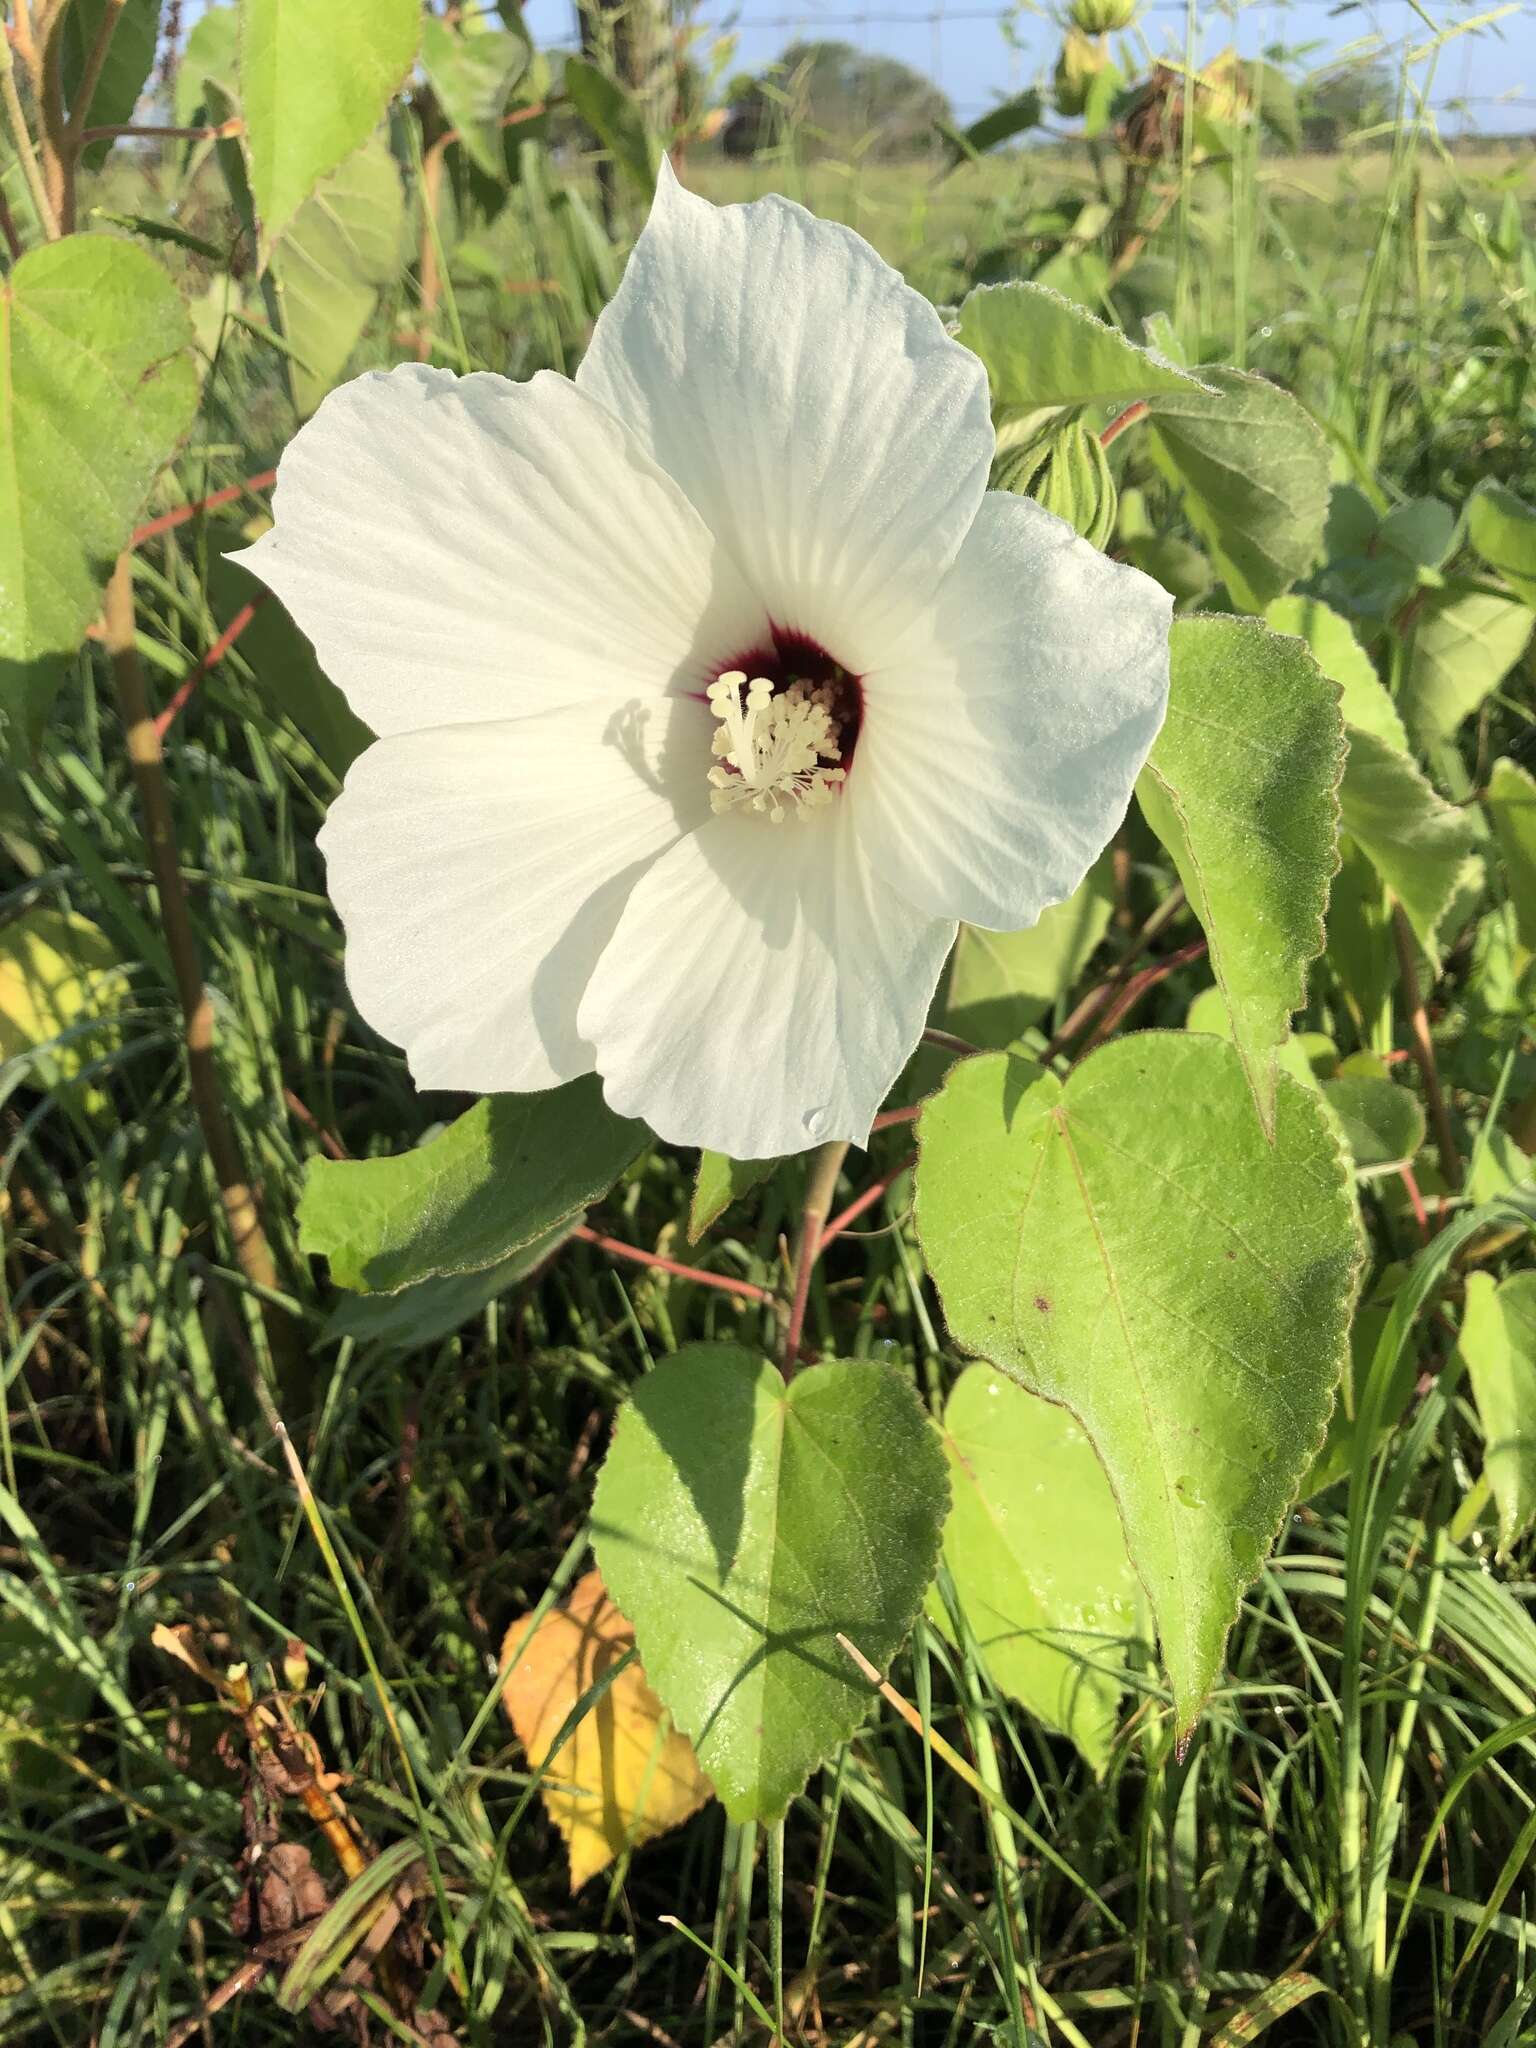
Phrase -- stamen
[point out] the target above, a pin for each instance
(773, 747)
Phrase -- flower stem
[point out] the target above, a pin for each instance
(826, 1165)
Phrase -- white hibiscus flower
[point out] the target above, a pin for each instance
(712, 688)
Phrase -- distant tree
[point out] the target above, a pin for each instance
(836, 96)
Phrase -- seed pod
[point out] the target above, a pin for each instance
(1082, 59)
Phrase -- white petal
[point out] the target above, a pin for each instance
(1000, 745)
(763, 988)
(479, 871)
(807, 400)
(464, 548)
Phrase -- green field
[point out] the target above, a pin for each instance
(350, 1496)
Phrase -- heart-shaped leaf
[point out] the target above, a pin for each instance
(1129, 1244)
(743, 1525)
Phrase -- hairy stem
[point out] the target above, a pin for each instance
(21, 140)
(74, 127)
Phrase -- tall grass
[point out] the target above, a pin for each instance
(1341, 1855)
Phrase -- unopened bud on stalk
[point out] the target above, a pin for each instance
(1066, 471)
(1103, 17)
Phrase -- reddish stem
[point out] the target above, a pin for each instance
(1128, 418)
(330, 1143)
(182, 513)
(1139, 985)
(888, 1117)
(860, 1203)
(1410, 1182)
(216, 653)
(619, 1250)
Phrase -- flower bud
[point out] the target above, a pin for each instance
(1082, 59)
(1066, 471)
(1103, 17)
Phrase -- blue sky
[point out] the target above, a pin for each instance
(978, 63)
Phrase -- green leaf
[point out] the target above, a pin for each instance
(1034, 1547)
(328, 269)
(616, 119)
(1382, 1123)
(1242, 789)
(1498, 1343)
(1364, 699)
(433, 1309)
(474, 77)
(998, 125)
(1417, 842)
(314, 84)
(1128, 1243)
(719, 1183)
(1253, 468)
(1040, 349)
(1002, 982)
(1511, 804)
(1502, 528)
(503, 1174)
(1421, 530)
(96, 362)
(1464, 644)
(741, 1525)
(130, 59)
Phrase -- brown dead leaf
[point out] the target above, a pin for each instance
(626, 1775)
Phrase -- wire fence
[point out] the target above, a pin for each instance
(1329, 32)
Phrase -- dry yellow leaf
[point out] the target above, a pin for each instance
(626, 1775)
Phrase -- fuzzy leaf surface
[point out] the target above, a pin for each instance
(96, 361)
(1253, 468)
(1241, 787)
(1040, 349)
(742, 1524)
(503, 1174)
(1364, 699)
(315, 82)
(1037, 1556)
(1129, 1243)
